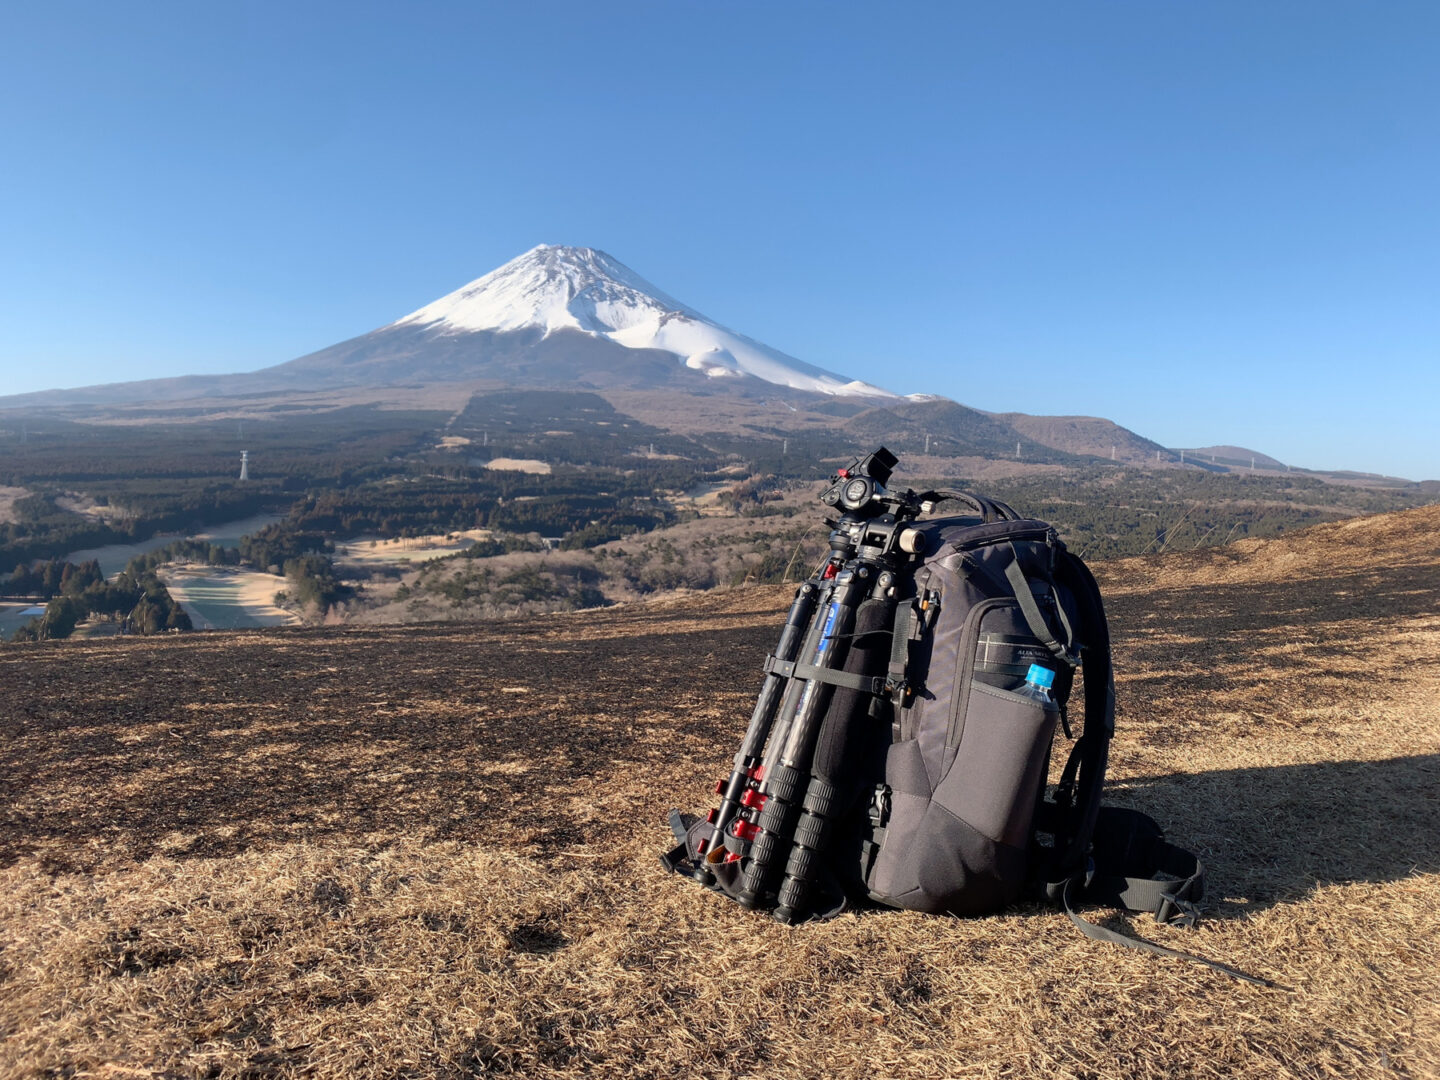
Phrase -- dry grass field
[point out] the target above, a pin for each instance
(431, 852)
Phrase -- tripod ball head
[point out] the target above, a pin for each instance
(861, 484)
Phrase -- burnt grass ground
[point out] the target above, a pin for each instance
(431, 851)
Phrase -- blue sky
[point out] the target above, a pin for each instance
(1212, 222)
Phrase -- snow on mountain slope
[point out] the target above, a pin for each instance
(552, 288)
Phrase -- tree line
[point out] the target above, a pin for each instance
(137, 599)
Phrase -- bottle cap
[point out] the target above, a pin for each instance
(1040, 676)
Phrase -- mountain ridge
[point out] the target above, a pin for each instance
(575, 317)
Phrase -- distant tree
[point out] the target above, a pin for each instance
(60, 617)
(146, 616)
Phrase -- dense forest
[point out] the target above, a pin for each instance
(1105, 512)
(135, 481)
(136, 599)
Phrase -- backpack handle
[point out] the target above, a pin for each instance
(989, 509)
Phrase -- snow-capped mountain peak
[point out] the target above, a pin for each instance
(554, 288)
(551, 288)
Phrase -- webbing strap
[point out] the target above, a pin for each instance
(1169, 901)
(1084, 772)
(900, 644)
(1031, 610)
(1064, 621)
(865, 684)
(1100, 933)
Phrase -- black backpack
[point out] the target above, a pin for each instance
(900, 747)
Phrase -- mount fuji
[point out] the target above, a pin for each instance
(564, 315)
(555, 317)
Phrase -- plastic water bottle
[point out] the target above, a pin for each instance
(1038, 681)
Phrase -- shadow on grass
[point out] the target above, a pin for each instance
(1270, 835)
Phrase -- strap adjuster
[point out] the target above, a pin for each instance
(775, 666)
(1177, 911)
(879, 808)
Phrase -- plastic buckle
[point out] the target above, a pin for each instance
(899, 691)
(879, 808)
(1173, 911)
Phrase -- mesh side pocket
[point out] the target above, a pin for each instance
(995, 779)
(965, 851)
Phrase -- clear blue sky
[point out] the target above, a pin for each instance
(1212, 223)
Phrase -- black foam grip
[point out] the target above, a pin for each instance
(869, 655)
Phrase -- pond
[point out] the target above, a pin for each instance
(114, 557)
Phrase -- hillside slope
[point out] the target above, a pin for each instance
(1091, 435)
(431, 852)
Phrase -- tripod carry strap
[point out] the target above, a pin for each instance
(792, 669)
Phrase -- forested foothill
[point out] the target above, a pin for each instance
(578, 504)
(1105, 512)
(141, 478)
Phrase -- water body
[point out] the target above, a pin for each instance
(14, 616)
(114, 557)
(229, 534)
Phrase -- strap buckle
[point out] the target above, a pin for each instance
(775, 666)
(879, 809)
(1177, 911)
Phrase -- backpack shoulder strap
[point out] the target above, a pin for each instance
(1078, 795)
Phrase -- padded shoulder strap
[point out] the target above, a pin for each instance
(1084, 773)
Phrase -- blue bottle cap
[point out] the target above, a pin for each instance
(1040, 676)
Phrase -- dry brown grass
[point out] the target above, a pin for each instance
(431, 852)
